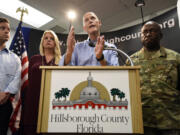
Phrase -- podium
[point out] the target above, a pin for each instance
(90, 99)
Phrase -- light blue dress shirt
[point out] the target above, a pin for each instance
(84, 55)
(10, 72)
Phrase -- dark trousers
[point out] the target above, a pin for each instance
(155, 131)
(5, 114)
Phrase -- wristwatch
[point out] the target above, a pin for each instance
(101, 58)
(7, 93)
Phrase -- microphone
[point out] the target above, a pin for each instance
(91, 44)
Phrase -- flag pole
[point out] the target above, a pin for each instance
(19, 48)
(22, 10)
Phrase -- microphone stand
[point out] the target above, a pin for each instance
(106, 47)
(119, 51)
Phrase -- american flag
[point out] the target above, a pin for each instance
(18, 47)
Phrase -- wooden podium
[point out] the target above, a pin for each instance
(78, 99)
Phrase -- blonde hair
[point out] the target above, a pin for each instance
(57, 51)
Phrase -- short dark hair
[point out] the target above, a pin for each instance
(3, 20)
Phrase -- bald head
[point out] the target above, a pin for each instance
(89, 13)
(91, 25)
(155, 24)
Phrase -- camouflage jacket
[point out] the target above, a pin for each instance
(158, 84)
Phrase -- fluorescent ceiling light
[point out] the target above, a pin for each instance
(34, 17)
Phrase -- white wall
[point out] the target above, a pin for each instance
(178, 10)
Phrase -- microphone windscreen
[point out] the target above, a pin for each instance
(91, 44)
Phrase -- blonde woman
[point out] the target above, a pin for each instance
(50, 55)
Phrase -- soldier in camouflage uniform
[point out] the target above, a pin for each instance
(158, 83)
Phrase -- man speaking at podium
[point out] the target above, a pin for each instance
(89, 52)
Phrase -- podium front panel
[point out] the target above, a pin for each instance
(90, 100)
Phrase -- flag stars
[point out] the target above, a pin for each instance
(19, 45)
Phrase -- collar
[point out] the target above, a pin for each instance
(5, 50)
(91, 43)
(144, 54)
(89, 40)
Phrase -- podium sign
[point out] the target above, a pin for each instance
(90, 100)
